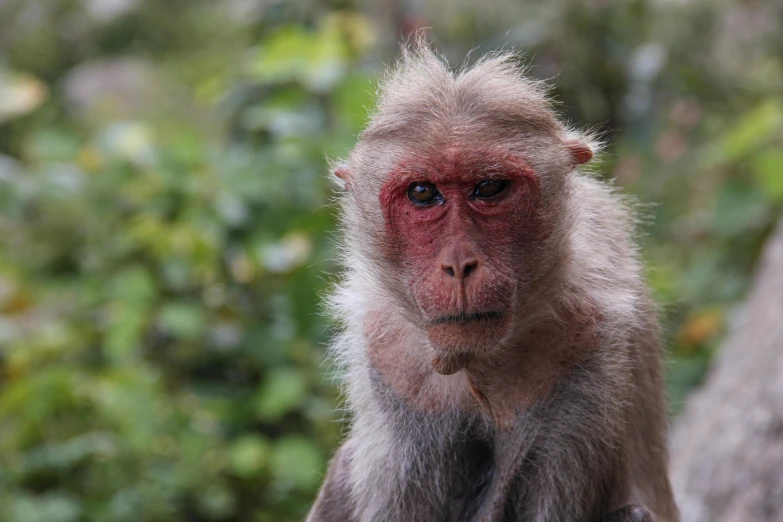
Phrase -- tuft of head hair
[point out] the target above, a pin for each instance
(422, 91)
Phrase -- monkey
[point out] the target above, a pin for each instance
(501, 352)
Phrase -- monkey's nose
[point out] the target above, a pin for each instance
(460, 268)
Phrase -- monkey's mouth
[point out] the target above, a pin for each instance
(459, 339)
(464, 318)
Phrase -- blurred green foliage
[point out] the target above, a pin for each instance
(165, 218)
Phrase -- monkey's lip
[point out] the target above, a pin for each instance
(465, 318)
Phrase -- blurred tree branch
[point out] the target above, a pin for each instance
(728, 445)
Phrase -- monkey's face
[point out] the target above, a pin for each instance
(460, 233)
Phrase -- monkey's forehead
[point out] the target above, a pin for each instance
(457, 157)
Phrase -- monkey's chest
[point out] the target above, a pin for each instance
(484, 487)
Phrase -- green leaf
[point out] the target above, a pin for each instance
(134, 285)
(354, 99)
(133, 291)
(282, 391)
(249, 455)
(768, 169)
(316, 59)
(182, 320)
(52, 507)
(753, 130)
(217, 501)
(297, 461)
(52, 145)
(739, 209)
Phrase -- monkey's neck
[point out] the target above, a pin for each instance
(512, 381)
(496, 387)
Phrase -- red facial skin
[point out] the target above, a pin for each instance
(461, 257)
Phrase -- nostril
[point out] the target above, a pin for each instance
(449, 270)
(469, 267)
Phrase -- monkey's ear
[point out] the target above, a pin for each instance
(344, 175)
(580, 152)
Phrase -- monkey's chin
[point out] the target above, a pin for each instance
(457, 345)
(449, 363)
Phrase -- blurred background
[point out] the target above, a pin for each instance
(166, 232)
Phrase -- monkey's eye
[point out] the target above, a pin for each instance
(489, 188)
(423, 193)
